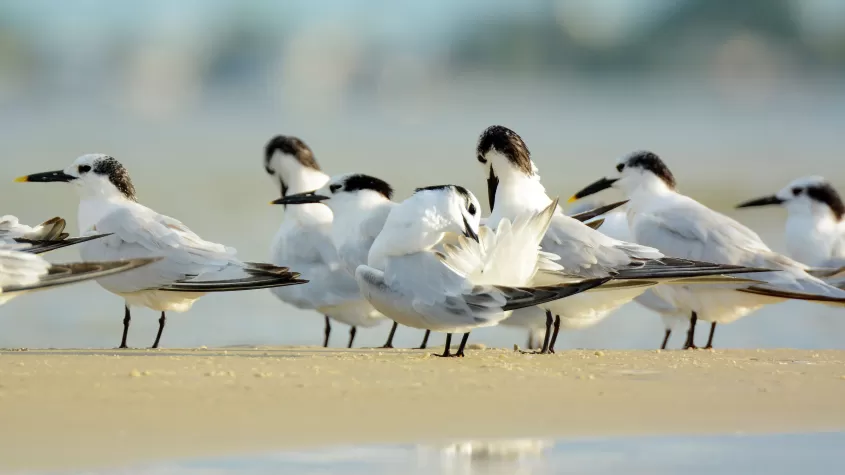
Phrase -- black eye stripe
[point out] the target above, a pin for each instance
(334, 188)
(797, 191)
(620, 167)
(84, 168)
(482, 159)
(471, 208)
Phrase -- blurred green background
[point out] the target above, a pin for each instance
(737, 97)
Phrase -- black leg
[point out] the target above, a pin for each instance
(690, 344)
(554, 335)
(326, 332)
(710, 339)
(425, 340)
(126, 319)
(447, 350)
(549, 321)
(666, 338)
(352, 332)
(389, 343)
(160, 329)
(460, 353)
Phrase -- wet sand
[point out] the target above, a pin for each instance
(95, 408)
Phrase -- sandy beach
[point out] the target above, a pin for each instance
(96, 408)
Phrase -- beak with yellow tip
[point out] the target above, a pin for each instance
(58, 176)
(593, 188)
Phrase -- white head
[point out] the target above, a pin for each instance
(421, 222)
(810, 196)
(505, 158)
(443, 209)
(291, 165)
(94, 175)
(344, 193)
(640, 171)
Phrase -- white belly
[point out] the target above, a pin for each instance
(161, 300)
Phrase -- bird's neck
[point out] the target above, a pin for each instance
(812, 234)
(516, 194)
(303, 179)
(350, 218)
(93, 209)
(647, 193)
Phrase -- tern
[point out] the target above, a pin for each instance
(514, 188)
(660, 216)
(433, 266)
(360, 205)
(815, 223)
(190, 266)
(304, 242)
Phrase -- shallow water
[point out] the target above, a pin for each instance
(724, 454)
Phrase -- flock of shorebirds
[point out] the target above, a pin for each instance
(348, 251)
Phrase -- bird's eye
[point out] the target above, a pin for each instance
(482, 159)
(84, 168)
(471, 209)
(334, 188)
(620, 167)
(797, 191)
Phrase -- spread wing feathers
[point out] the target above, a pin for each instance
(50, 230)
(19, 268)
(39, 246)
(509, 256)
(444, 298)
(259, 276)
(64, 274)
(595, 212)
(696, 232)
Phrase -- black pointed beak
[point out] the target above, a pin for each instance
(492, 185)
(764, 201)
(58, 176)
(300, 199)
(468, 232)
(594, 188)
(595, 212)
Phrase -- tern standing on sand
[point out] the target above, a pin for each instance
(190, 266)
(514, 188)
(660, 216)
(304, 243)
(359, 204)
(477, 278)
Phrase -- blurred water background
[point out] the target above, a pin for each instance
(724, 454)
(738, 97)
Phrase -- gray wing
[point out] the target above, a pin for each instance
(309, 250)
(143, 233)
(65, 274)
(589, 253)
(442, 295)
(39, 246)
(696, 232)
